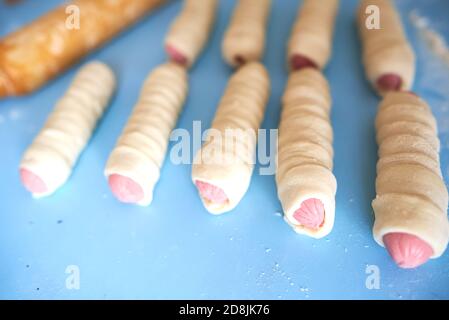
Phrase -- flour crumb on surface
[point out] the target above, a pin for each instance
(433, 53)
(14, 114)
(433, 39)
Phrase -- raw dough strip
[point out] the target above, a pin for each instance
(49, 161)
(133, 168)
(388, 57)
(189, 32)
(310, 43)
(244, 40)
(43, 49)
(221, 173)
(412, 199)
(305, 183)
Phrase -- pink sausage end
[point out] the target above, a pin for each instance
(239, 60)
(176, 55)
(211, 193)
(389, 82)
(298, 61)
(310, 214)
(408, 251)
(125, 189)
(32, 182)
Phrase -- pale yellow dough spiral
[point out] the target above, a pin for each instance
(411, 195)
(313, 30)
(244, 39)
(190, 30)
(141, 149)
(55, 150)
(305, 153)
(239, 115)
(385, 50)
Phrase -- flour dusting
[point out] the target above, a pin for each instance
(14, 114)
(432, 79)
(433, 39)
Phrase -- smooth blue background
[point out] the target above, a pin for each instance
(174, 248)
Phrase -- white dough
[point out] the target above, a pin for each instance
(245, 36)
(190, 30)
(386, 50)
(411, 195)
(313, 30)
(55, 150)
(241, 111)
(305, 150)
(141, 149)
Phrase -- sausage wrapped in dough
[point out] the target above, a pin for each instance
(412, 198)
(190, 31)
(49, 161)
(388, 57)
(305, 183)
(223, 167)
(244, 40)
(133, 168)
(310, 43)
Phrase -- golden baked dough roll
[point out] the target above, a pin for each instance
(244, 39)
(412, 200)
(222, 168)
(49, 161)
(305, 183)
(387, 55)
(38, 52)
(190, 31)
(310, 43)
(133, 168)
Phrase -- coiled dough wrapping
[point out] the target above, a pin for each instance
(141, 149)
(190, 30)
(241, 111)
(385, 50)
(245, 37)
(55, 150)
(411, 194)
(313, 31)
(305, 153)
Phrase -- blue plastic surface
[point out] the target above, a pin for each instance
(174, 248)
